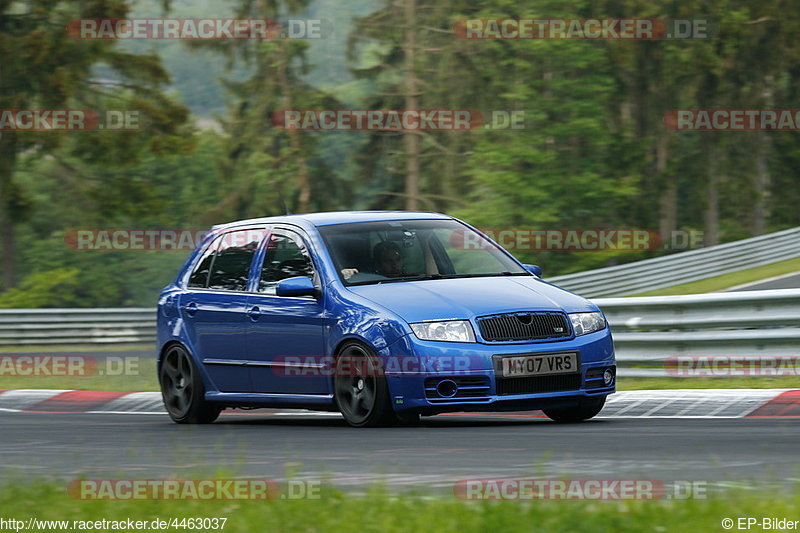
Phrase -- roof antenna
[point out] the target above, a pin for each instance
(283, 205)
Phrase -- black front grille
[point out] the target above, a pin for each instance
(593, 373)
(538, 384)
(524, 326)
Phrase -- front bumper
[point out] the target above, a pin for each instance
(480, 388)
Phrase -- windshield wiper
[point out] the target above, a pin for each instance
(486, 275)
(450, 276)
(412, 278)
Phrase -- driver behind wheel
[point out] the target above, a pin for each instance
(387, 258)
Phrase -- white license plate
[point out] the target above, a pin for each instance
(538, 365)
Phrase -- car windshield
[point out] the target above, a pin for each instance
(412, 250)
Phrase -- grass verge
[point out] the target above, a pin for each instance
(380, 511)
(118, 374)
(726, 281)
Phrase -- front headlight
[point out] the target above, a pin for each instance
(584, 323)
(450, 330)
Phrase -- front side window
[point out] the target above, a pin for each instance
(231, 267)
(286, 257)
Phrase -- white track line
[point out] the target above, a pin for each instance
(668, 403)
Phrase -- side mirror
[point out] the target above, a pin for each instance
(297, 286)
(536, 270)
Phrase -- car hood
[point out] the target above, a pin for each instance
(416, 301)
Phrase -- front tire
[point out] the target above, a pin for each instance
(360, 389)
(587, 408)
(182, 389)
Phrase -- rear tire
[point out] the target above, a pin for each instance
(360, 389)
(586, 409)
(182, 389)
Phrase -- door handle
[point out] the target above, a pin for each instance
(190, 308)
(254, 313)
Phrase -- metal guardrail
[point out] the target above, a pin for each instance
(647, 330)
(19, 327)
(684, 267)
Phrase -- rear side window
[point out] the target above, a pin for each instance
(199, 277)
(231, 266)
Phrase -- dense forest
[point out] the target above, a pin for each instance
(594, 151)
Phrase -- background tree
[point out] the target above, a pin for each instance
(593, 153)
(44, 68)
(264, 163)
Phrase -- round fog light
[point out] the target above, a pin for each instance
(447, 388)
(608, 377)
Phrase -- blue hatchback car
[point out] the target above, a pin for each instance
(383, 316)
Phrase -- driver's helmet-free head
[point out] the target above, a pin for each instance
(388, 259)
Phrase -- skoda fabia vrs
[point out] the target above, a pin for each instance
(382, 316)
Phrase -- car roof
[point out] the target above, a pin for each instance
(338, 217)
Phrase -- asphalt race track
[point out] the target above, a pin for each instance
(788, 281)
(442, 450)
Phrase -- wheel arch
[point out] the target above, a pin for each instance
(353, 339)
